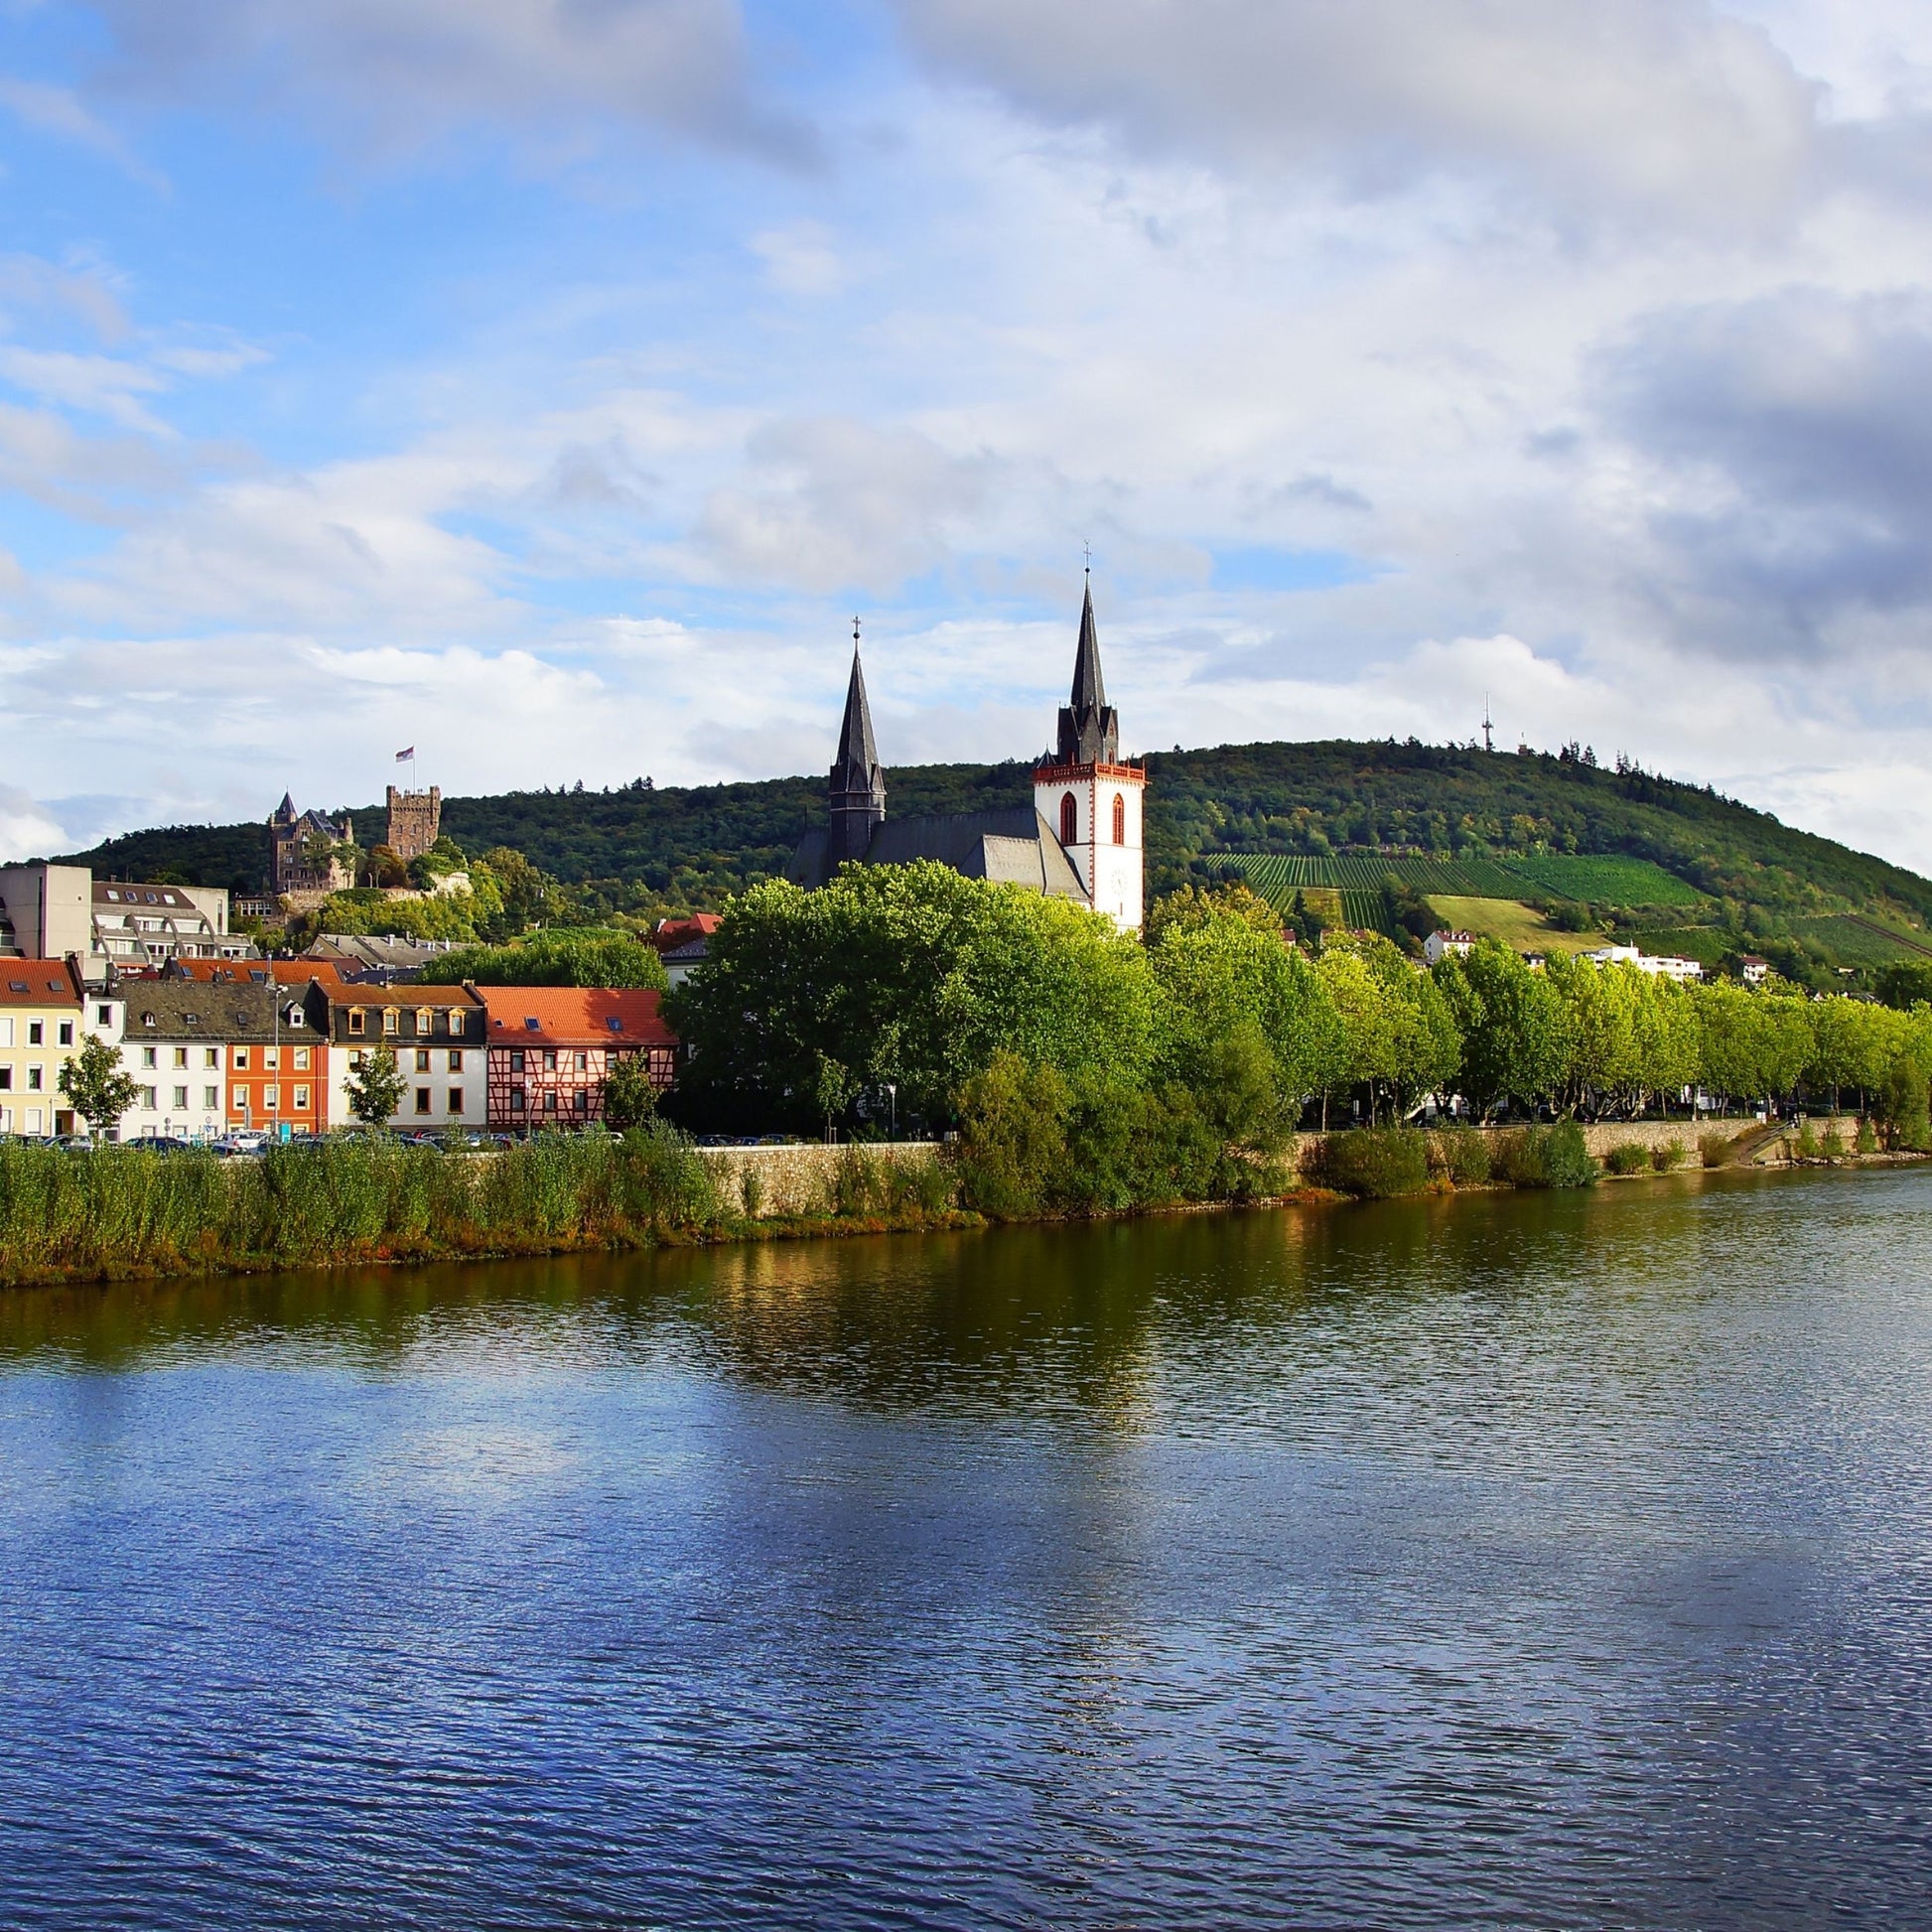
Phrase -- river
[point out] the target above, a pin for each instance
(1558, 1560)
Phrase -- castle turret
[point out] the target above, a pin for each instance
(857, 784)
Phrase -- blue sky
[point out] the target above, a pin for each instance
(546, 383)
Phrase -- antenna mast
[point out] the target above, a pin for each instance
(1489, 743)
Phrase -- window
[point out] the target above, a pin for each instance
(391, 1023)
(359, 1020)
(148, 1100)
(550, 1101)
(36, 1033)
(211, 1056)
(211, 1099)
(6, 1032)
(550, 1059)
(516, 1100)
(456, 1059)
(1069, 820)
(302, 1100)
(271, 1099)
(516, 1059)
(181, 1098)
(1120, 819)
(147, 1056)
(422, 1100)
(425, 1020)
(181, 1056)
(242, 1058)
(458, 1028)
(103, 1016)
(6, 1079)
(581, 1101)
(67, 1033)
(147, 1019)
(422, 1059)
(33, 1074)
(295, 1016)
(271, 1057)
(456, 1100)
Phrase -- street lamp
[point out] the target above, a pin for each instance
(891, 1087)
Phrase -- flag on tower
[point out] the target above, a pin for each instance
(405, 756)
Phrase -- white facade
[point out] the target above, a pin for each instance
(1670, 965)
(444, 1085)
(46, 912)
(1096, 812)
(1439, 945)
(182, 1088)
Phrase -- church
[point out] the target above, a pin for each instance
(1081, 838)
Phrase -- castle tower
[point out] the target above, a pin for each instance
(1093, 802)
(415, 821)
(857, 784)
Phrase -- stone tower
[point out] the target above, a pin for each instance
(1094, 801)
(857, 784)
(415, 821)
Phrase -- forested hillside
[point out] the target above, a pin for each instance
(643, 850)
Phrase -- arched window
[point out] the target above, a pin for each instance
(1069, 820)
(1120, 819)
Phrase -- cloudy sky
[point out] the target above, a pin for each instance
(545, 383)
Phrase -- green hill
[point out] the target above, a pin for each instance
(1460, 823)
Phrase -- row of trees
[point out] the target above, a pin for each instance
(895, 986)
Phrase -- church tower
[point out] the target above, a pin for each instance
(1089, 797)
(857, 787)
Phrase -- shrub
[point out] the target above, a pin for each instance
(1669, 1156)
(1868, 1140)
(1459, 1155)
(1373, 1162)
(1806, 1146)
(1714, 1150)
(1831, 1144)
(1546, 1157)
(1905, 1101)
(1628, 1156)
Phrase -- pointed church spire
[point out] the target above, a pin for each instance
(1089, 725)
(857, 784)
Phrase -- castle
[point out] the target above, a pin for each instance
(1081, 838)
(304, 849)
(415, 821)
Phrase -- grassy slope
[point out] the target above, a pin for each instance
(1515, 926)
(692, 847)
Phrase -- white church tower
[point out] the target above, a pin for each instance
(1094, 801)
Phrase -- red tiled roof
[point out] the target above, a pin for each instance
(37, 983)
(680, 932)
(574, 1016)
(241, 972)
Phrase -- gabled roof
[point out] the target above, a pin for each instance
(574, 1016)
(346, 993)
(674, 934)
(39, 983)
(260, 972)
(1015, 846)
(178, 1010)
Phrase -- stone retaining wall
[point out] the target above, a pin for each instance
(800, 1178)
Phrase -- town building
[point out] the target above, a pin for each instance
(1752, 970)
(368, 959)
(210, 1059)
(552, 1046)
(438, 1035)
(1668, 965)
(41, 1002)
(415, 821)
(1440, 943)
(47, 912)
(1081, 838)
(684, 944)
(306, 851)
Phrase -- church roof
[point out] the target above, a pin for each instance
(1015, 846)
(856, 766)
(1089, 726)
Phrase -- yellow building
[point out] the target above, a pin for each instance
(41, 1008)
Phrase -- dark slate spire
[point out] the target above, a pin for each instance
(857, 787)
(1089, 726)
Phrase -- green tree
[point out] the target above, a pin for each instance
(566, 956)
(1905, 983)
(629, 1095)
(376, 1087)
(1513, 1024)
(92, 1080)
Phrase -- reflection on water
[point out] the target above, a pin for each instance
(1524, 1559)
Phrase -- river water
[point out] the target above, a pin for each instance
(1516, 1561)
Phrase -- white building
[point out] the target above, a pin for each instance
(48, 912)
(1670, 965)
(438, 1034)
(1440, 943)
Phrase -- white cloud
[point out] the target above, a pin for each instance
(26, 829)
